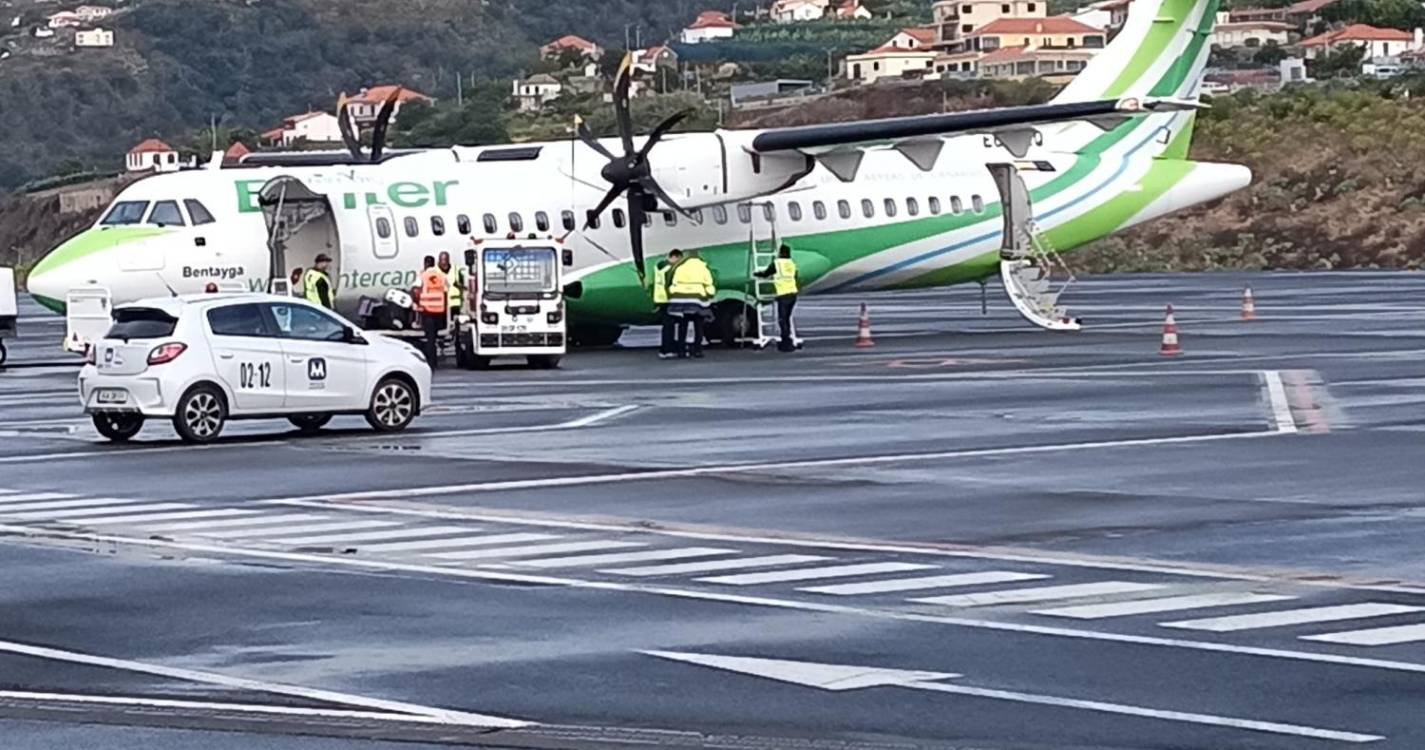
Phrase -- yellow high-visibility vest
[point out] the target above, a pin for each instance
(455, 293)
(309, 286)
(660, 284)
(784, 278)
(692, 281)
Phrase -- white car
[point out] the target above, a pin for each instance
(201, 360)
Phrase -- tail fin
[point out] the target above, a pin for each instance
(1161, 51)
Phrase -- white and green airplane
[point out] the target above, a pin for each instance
(884, 204)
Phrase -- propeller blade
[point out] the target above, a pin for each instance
(668, 201)
(622, 81)
(598, 210)
(662, 130)
(592, 142)
(383, 121)
(636, 199)
(343, 121)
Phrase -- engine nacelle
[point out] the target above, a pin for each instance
(705, 169)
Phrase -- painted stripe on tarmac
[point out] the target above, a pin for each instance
(241, 522)
(210, 707)
(78, 515)
(472, 541)
(35, 496)
(711, 566)
(812, 574)
(63, 504)
(533, 550)
(1039, 594)
(924, 582)
(145, 517)
(264, 532)
(372, 536)
(1164, 604)
(625, 557)
(1283, 618)
(1373, 636)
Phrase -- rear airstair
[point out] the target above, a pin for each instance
(761, 293)
(1034, 273)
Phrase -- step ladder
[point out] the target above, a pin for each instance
(1034, 272)
(760, 293)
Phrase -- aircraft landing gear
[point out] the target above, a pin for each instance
(592, 336)
(734, 322)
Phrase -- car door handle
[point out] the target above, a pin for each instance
(298, 360)
(225, 356)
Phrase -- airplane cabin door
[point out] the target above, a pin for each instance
(383, 232)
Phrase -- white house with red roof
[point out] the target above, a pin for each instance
(1032, 34)
(1377, 42)
(710, 25)
(915, 37)
(887, 61)
(152, 155)
(852, 10)
(792, 11)
(308, 127)
(366, 105)
(571, 42)
(648, 61)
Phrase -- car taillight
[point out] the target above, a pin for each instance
(557, 315)
(165, 353)
(489, 318)
(90, 356)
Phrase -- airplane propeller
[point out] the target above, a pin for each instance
(378, 132)
(630, 174)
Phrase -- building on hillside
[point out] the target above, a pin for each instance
(955, 20)
(571, 42)
(366, 105)
(1249, 33)
(1093, 15)
(1117, 15)
(1242, 15)
(94, 38)
(1056, 65)
(889, 62)
(531, 94)
(65, 19)
(852, 10)
(308, 127)
(1377, 42)
(1293, 70)
(792, 11)
(649, 61)
(152, 155)
(1306, 14)
(1037, 34)
(743, 94)
(92, 13)
(710, 25)
(915, 37)
(235, 153)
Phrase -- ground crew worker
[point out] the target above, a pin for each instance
(783, 272)
(433, 304)
(662, 274)
(690, 295)
(317, 285)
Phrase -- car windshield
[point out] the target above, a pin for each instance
(141, 323)
(519, 270)
(125, 212)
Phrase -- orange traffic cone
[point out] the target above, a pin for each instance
(1170, 336)
(1249, 305)
(863, 330)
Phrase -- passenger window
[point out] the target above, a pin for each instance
(647, 219)
(956, 207)
(912, 207)
(306, 324)
(670, 219)
(620, 221)
(198, 212)
(413, 227)
(437, 226)
(490, 226)
(125, 212)
(794, 211)
(566, 218)
(697, 216)
(462, 224)
(238, 320)
(719, 214)
(843, 209)
(978, 203)
(769, 212)
(383, 229)
(818, 209)
(890, 206)
(166, 214)
(541, 221)
(934, 206)
(868, 209)
(744, 213)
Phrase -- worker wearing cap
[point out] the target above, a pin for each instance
(317, 284)
(783, 273)
(433, 303)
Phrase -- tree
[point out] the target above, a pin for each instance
(1342, 62)
(1270, 55)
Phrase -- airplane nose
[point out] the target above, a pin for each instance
(45, 283)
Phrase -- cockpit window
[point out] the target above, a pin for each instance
(198, 212)
(166, 214)
(125, 212)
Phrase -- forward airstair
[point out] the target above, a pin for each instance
(1034, 273)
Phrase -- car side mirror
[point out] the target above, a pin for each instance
(200, 241)
(568, 257)
(350, 336)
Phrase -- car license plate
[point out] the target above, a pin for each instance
(111, 396)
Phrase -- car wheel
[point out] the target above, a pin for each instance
(544, 361)
(201, 415)
(309, 422)
(393, 406)
(118, 427)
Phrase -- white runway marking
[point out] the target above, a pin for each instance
(372, 536)
(108, 452)
(1164, 604)
(243, 683)
(1373, 636)
(624, 557)
(1039, 594)
(1233, 623)
(811, 574)
(146, 517)
(99, 511)
(473, 541)
(241, 522)
(710, 566)
(1281, 407)
(264, 532)
(63, 504)
(534, 550)
(926, 582)
(34, 497)
(208, 706)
